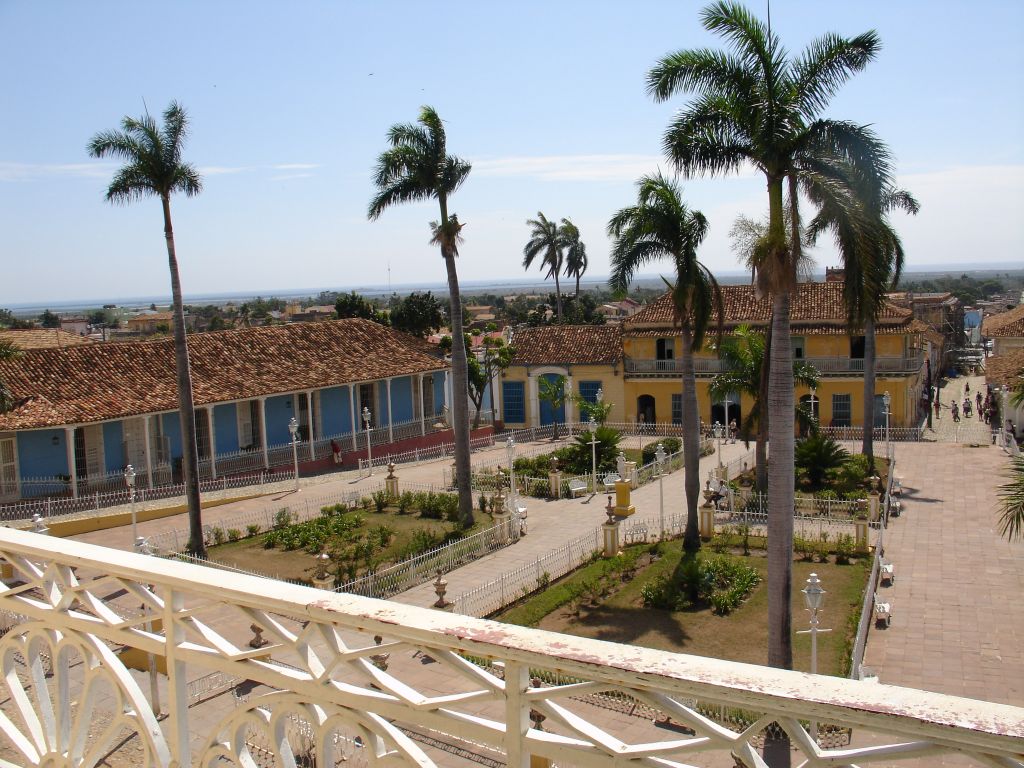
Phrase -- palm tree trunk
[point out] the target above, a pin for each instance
(868, 441)
(577, 294)
(460, 391)
(780, 488)
(761, 451)
(189, 449)
(691, 443)
(558, 296)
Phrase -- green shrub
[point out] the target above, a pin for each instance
(282, 518)
(671, 445)
(817, 456)
(252, 529)
(845, 547)
(234, 534)
(380, 500)
(366, 503)
(218, 535)
(804, 547)
(406, 499)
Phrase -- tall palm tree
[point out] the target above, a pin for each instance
(546, 242)
(418, 167)
(855, 211)
(744, 356)
(153, 167)
(575, 252)
(756, 105)
(660, 226)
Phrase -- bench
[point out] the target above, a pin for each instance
(576, 487)
(883, 613)
(887, 573)
(610, 480)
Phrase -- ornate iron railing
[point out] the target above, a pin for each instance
(342, 668)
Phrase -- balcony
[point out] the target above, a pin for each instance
(827, 366)
(316, 678)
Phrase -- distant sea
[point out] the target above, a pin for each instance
(501, 287)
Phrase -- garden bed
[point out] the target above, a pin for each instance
(574, 605)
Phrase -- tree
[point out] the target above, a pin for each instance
(661, 226)
(546, 242)
(744, 355)
(575, 253)
(855, 211)
(153, 167)
(552, 391)
(494, 358)
(8, 351)
(817, 455)
(354, 305)
(1011, 502)
(418, 167)
(49, 319)
(756, 105)
(419, 314)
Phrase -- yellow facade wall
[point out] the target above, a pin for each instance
(610, 378)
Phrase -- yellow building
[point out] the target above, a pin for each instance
(643, 380)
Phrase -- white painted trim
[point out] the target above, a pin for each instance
(212, 431)
(13, 437)
(353, 424)
(263, 432)
(149, 450)
(391, 432)
(69, 446)
(309, 423)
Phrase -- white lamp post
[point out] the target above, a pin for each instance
(129, 480)
(293, 428)
(814, 598)
(814, 391)
(592, 426)
(369, 449)
(887, 399)
(719, 429)
(510, 455)
(659, 465)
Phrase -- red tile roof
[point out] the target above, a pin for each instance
(42, 338)
(1004, 324)
(1006, 369)
(96, 382)
(814, 308)
(567, 345)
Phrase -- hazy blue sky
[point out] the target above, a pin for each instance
(290, 103)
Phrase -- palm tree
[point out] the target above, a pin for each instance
(417, 167)
(744, 355)
(756, 105)
(546, 242)
(153, 167)
(575, 252)
(660, 226)
(552, 391)
(872, 253)
(1011, 502)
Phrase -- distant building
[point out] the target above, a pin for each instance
(296, 314)
(77, 325)
(619, 310)
(154, 322)
(1006, 330)
(42, 338)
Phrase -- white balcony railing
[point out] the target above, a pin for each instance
(825, 365)
(403, 685)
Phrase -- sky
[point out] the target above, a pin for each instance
(290, 103)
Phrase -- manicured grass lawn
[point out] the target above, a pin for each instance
(249, 554)
(740, 636)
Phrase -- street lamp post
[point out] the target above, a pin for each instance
(293, 428)
(659, 465)
(719, 429)
(592, 426)
(129, 480)
(510, 455)
(814, 598)
(887, 399)
(369, 449)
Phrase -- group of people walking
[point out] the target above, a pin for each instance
(984, 406)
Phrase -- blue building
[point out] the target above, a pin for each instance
(83, 413)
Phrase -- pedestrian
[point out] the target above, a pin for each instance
(732, 431)
(967, 387)
(956, 411)
(336, 451)
(978, 399)
(938, 408)
(967, 407)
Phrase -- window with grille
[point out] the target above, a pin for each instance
(677, 409)
(589, 389)
(841, 411)
(513, 397)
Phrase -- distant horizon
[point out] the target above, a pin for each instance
(496, 285)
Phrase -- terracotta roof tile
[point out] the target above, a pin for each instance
(96, 382)
(1006, 369)
(1009, 323)
(568, 344)
(814, 308)
(42, 338)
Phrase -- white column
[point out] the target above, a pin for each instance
(423, 411)
(149, 449)
(69, 445)
(496, 395)
(533, 420)
(213, 442)
(447, 392)
(352, 413)
(391, 429)
(569, 405)
(309, 423)
(263, 432)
